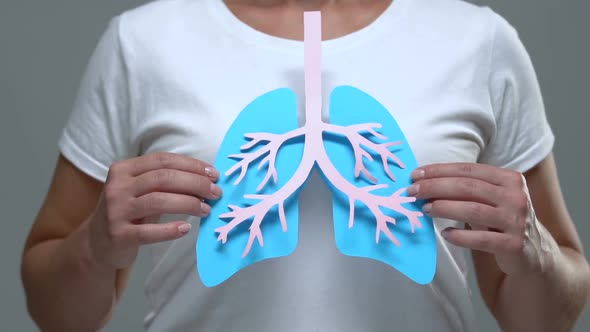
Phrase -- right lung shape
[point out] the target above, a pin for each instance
(416, 254)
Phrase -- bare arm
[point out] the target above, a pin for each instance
(81, 247)
(528, 257)
(65, 288)
(548, 301)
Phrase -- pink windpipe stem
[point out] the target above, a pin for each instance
(312, 37)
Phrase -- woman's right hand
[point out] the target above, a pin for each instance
(143, 187)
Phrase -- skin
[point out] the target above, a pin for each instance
(82, 245)
(76, 261)
(527, 255)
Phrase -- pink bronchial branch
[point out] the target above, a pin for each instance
(256, 212)
(269, 151)
(314, 153)
(393, 202)
(357, 141)
(269, 146)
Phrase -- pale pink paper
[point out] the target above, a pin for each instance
(315, 153)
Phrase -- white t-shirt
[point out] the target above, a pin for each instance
(172, 75)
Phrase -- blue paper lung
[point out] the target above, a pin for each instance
(273, 112)
(276, 112)
(416, 257)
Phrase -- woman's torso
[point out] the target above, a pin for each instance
(194, 66)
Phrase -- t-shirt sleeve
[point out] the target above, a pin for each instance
(96, 133)
(523, 136)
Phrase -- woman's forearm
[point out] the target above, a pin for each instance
(550, 302)
(66, 289)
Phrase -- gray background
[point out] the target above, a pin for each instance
(44, 47)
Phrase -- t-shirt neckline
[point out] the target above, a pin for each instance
(245, 33)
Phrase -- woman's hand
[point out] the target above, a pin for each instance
(496, 206)
(147, 186)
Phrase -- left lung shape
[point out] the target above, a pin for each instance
(274, 112)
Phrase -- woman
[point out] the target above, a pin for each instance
(166, 81)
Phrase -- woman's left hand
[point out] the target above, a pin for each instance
(496, 205)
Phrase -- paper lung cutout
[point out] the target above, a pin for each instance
(411, 248)
(217, 261)
(266, 158)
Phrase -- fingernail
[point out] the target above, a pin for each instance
(184, 228)
(413, 189)
(205, 209)
(417, 174)
(427, 208)
(445, 233)
(211, 172)
(215, 190)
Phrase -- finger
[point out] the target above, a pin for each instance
(164, 160)
(476, 227)
(482, 172)
(159, 203)
(457, 189)
(153, 233)
(174, 181)
(491, 242)
(475, 214)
